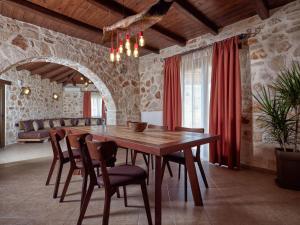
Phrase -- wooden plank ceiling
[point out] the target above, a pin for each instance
(54, 72)
(185, 20)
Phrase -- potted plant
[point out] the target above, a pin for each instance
(280, 114)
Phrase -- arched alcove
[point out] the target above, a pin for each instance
(99, 84)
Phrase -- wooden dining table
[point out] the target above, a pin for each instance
(158, 143)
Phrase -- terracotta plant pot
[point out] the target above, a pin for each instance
(288, 169)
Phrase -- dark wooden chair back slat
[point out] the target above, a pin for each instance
(197, 130)
(56, 136)
(152, 126)
(104, 152)
(86, 158)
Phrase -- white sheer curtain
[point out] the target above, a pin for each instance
(96, 104)
(195, 88)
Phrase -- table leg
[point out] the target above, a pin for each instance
(190, 165)
(158, 190)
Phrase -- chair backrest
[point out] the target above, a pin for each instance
(188, 129)
(105, 152)
(128, 123)
(152, 126)
(56, 136)
(196, 130)
(72, 141)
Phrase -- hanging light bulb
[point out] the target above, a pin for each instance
(127, 42)
(128, 52)
(141, 39)
(121, 47)
(118, 56)
(136, 51)
(112, 54)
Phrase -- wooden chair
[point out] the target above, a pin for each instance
(73, 145)
(178, 157)
(56, 136)
(148, 157)
(111, 178)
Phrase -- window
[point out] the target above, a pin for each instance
(96, 104)
(195, 88)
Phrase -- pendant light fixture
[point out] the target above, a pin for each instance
(127, 41)
(121, 47)
(112, 54)
(141, 39)
(118, 56)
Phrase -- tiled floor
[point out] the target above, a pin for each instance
(234, 198)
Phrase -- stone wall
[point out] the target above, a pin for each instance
(275, 46)
(73, 100)
(119, 83)
(38, 105)
(73, 104)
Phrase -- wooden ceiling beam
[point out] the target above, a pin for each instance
(29, 6)
(121, 10)
(67, 79)
(54, 72)
(191, 11)
(44, 69)
(262, 9)
(62, 75)
(31, 66)
(49, 14)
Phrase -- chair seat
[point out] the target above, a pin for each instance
(76, 154)
(177, 157)
(124, 175)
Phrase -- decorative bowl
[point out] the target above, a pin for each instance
(138, 126)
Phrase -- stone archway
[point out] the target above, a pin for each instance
(21, 42)
(109, 101)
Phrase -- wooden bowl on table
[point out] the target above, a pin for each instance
(138, 126)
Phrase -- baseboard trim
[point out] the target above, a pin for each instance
(258, 169)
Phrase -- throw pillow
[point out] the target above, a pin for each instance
(35, 126)
(46, 124)
(56, 123)
(81, 122)
(68, 123)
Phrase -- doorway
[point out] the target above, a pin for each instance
(2, 115)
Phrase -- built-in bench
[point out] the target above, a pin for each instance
(38, 130)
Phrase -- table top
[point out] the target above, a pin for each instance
(154, 141)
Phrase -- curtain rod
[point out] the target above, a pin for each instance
(242, 36)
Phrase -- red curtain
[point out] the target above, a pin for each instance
(104, 111)
(225, 103)
(172, 95)
(87, 104)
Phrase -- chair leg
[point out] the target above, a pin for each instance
(152, 162)
(146, 202)
(85, 203)
(125, 196)
(179, 171)
(202, 173)
(126, 157)
(163, 168)
(133, 159)
(131, 155)
(51, 170)
(57, 180)
(169, 169)
(98, 171)
(84, 186)
(106, 210)
(118, 193)
(185, 183)
(148, 168)
(67, 182)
